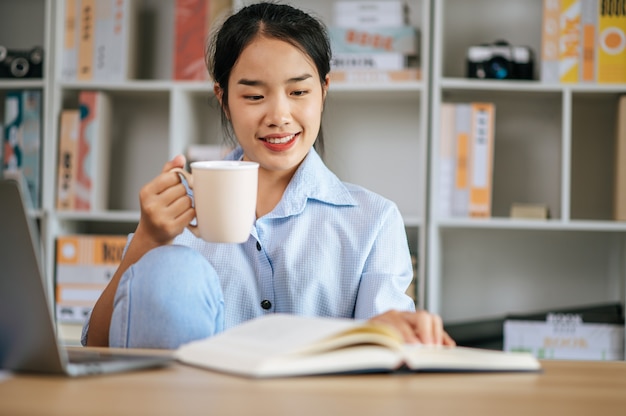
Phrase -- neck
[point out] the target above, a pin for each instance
(272, 185)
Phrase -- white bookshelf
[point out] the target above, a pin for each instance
(553, 145)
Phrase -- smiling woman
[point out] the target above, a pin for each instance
(318, 247)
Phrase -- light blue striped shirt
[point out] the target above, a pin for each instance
(327, 249)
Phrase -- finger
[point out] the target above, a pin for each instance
(437, 329)
(423, 327)
(177, 161)
(448, 341)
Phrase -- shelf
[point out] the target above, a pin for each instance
(99, 216)
(21, 83)
(520, 224)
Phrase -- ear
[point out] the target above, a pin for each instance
(325, 87)
(219, 93)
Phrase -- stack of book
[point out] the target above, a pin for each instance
(584, 41)
(20, 152)
(466, 146)
(84, 153)
(99, 40)
(372, 41)
(84, 266)
(192, 22)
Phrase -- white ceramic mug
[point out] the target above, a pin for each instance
(224, 193)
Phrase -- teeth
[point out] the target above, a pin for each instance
(281, 140)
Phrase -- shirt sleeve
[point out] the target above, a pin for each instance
(388, 271)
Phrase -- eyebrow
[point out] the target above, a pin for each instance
(253, 83)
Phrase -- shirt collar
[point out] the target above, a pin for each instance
(313, 180)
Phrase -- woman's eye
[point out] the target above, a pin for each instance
(299, 93)
(253, 97)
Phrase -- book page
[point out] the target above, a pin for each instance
(257, 346)
(438, 358)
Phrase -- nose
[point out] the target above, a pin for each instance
(278, 111)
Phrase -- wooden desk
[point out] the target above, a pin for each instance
(564, 388)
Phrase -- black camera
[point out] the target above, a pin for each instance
(500, 60)
(21, 63)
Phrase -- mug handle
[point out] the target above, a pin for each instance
(187, 180)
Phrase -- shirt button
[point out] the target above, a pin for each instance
(266, 304)
(258, 246)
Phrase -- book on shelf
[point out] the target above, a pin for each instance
(550, 41)
(446, 159)
(612, 38)
(86, 34)
(192, 22)
(589, 41)
(466, 152)
(22, 139)
(401, 39)
(619, 211)
(369, 13)
(99, 40)
(481, 166)
(376, 77)
(69, 129)
(589, 44)
(69, 60)
(84, 266)
(379, 61)
(569, 41)
(92, 163)
(462, 160)
(279, 345)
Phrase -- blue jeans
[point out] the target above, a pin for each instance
(171, 296)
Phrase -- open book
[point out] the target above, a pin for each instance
(289, 345)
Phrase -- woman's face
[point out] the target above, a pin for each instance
(275, 104)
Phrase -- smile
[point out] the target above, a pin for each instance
(281, 140)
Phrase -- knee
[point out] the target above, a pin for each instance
(174, 272)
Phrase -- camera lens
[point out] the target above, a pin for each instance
(3, 53)
(498, 68)
(19, 67)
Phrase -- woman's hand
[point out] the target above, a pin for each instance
(165, 207)
(417, 327)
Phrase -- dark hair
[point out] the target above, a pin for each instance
(278, 21)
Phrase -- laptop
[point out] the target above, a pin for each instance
(28, 342)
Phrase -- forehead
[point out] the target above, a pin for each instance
(270, 57)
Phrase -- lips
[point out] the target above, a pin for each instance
(280, 144)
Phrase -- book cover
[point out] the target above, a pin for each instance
(620, 162)
(550, 41)
(462, 154)
(446, 159)
(280, 345)
(362, 14)
(69, 64)
(93, 151)
(612, 38)
(482, 144)
(84, 266)
(374, 76)
(193, 19)
(589, 27)
(13, 142)
(86, 34)
(123, 63)
(67, 159)
(570, 41)
(382, 61)
(401, 39)
(32, 143)
(103, 40)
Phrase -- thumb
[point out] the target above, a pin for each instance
(177, 161)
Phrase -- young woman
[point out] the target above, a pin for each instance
(318, 246)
